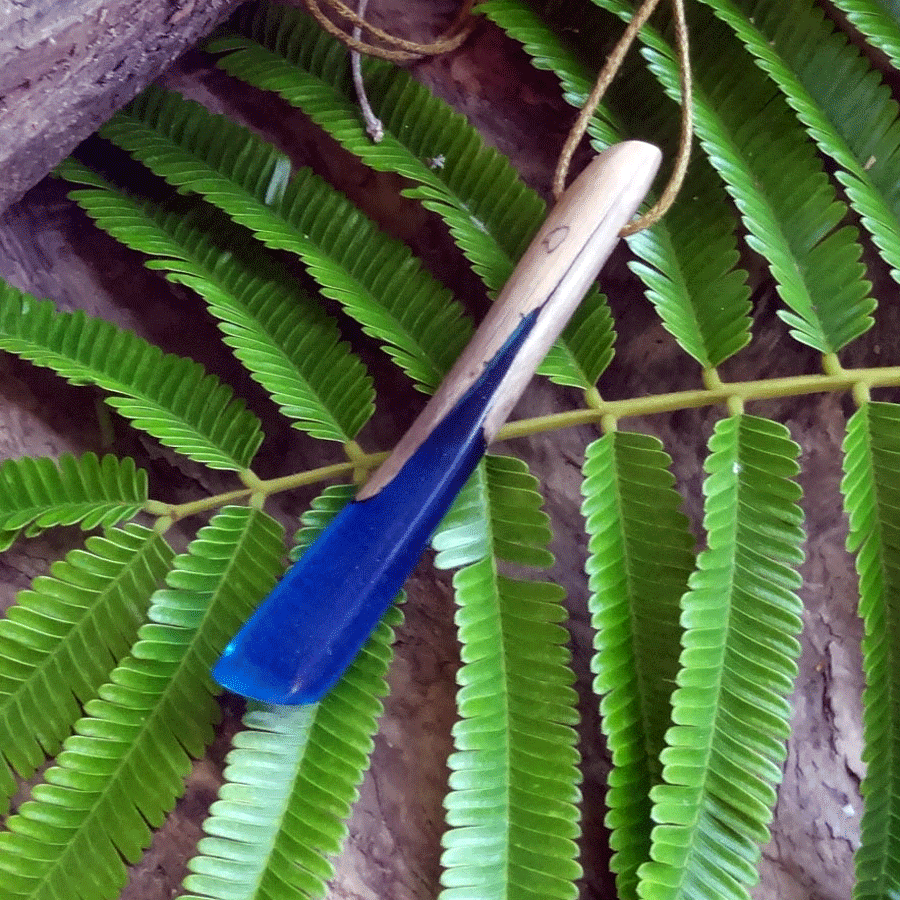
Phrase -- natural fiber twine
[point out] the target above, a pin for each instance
(399, 50)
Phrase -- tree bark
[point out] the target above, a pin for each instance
(67, 65)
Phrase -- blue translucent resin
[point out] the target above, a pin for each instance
(311, 627)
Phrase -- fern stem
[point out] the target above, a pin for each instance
(726, 393)
(607, 412)
(261, 487)
(299, 479)
(176, 511)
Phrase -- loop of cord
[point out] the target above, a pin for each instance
(605, 79)
(398, 50)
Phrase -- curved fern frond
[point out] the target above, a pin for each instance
(872, 501)
(491, 214)
(730, 708)
(292, 778)
(688, 258)
(857, 126)
(770, 168)
(39, 492)
(65, 635)
(787, 203)
(463, 536)
(376, 278)
(689, 269)
(124, 768)
(640, 557)
(171, 398)
(878, 23)
(276, 330)
(514, 777)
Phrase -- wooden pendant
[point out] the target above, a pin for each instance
(310, 628)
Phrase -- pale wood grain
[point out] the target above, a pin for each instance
(556, 270)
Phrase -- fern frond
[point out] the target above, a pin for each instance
(514, 777)
(640, 557)
(770, 168)
(689, 269)
(857, 126)
(38, 492)
(277, 331)
(689, 257)
(171, 398)
(65, 635)
(786, 201)
(491, 214)
(122, 771)
(292, 778)
(872, 501)
(877, 21)
(463, 536)
(376, 279)
(741, 617)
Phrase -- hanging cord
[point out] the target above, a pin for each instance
(399, 50)
(396, 49)
(605, 78)
(374, 125)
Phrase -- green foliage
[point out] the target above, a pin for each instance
(519, 837)
(104, 674)
(490, 213)
(690, 257)
(377, 279)
(36, 494)
(872, 499)
(513, 778)
(790, 210)
(878, 21)
(639, 563)
(276, 330)
(748, 134)
(856, 126)
(62, 639)
(169, 397)
(730, 711)
(689, 270)
(123, 768)
(292, 778)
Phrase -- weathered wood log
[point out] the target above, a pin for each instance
(67, 65)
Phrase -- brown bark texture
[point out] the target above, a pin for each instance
(67, 65)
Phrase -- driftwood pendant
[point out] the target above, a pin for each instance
(303, 636)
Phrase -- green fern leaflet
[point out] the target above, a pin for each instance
(169, 397)
(513, 776)
(81, 620)
(276, 330)
(121, 771)
(872, 499)
(38, 493)
(375, 278)
(490, 213)
(639, 563)
(741, 616)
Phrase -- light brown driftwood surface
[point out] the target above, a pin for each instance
(67, 65)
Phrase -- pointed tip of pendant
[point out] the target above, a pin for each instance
(237, 673)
